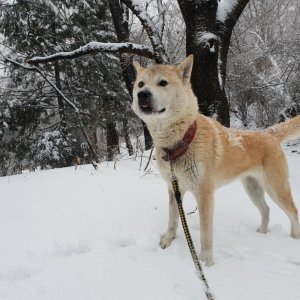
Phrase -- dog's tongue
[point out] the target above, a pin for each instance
(146, 104)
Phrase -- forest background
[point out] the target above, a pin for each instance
(74, 106)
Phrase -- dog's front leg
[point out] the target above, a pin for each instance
(170, 234)
(205, 200)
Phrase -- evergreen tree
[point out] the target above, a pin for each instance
(37, 128)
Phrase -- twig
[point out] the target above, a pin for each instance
(149, 158)
(161, 18)
(160, 55)
(192, 212)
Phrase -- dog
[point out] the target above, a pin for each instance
(205, 155)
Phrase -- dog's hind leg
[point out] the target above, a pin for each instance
(278, 187)
(170, 234)
(255, 192)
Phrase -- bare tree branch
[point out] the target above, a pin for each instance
(228, 13)
(160, 55)
(161, 18)
(94, 47)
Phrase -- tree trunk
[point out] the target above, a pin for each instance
(112, 140)
(147, 137)
(203, 42)
(127, 138)
(94, 138)
(120, 17)
(60, 101)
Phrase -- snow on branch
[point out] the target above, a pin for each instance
(230, 9)
(149, 26)
(158, 53)
(208, 41)
(94, 47)
(224, 8)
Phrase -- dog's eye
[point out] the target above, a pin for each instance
(141, 84)
(163, 83)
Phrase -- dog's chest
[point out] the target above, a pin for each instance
(185, 168)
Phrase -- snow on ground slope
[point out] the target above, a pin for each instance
(93, 235)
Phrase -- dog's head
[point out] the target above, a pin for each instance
(163, 92)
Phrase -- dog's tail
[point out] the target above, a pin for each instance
(289, 130)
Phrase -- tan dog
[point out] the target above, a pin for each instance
(164, 100)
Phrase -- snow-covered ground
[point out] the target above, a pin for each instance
(69, 234)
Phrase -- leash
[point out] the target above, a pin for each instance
(199, 270)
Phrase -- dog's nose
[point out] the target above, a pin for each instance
(144, 95)
(145, 100)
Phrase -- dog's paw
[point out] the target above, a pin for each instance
(295, 235)
(165, 241)
(207, 258)
(262, 230)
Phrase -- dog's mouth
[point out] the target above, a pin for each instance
(148, 109)
(146, 103)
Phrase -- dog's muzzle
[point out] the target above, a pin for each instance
(145, 101)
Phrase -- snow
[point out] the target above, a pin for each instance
(71, 234)
(52, 6)
(207, 39)
(93, 47)
(219, 72)
(224, 8)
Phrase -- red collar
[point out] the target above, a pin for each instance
(182, 146)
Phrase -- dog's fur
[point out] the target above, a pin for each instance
(216, 156)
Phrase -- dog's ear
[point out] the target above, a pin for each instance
(137, 66)
(185, 68)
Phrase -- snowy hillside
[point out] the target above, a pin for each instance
(81, 234)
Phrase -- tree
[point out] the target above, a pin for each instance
(262, 75)
(120, 16)
(209, 25)
(263, 63)
(54, 134)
